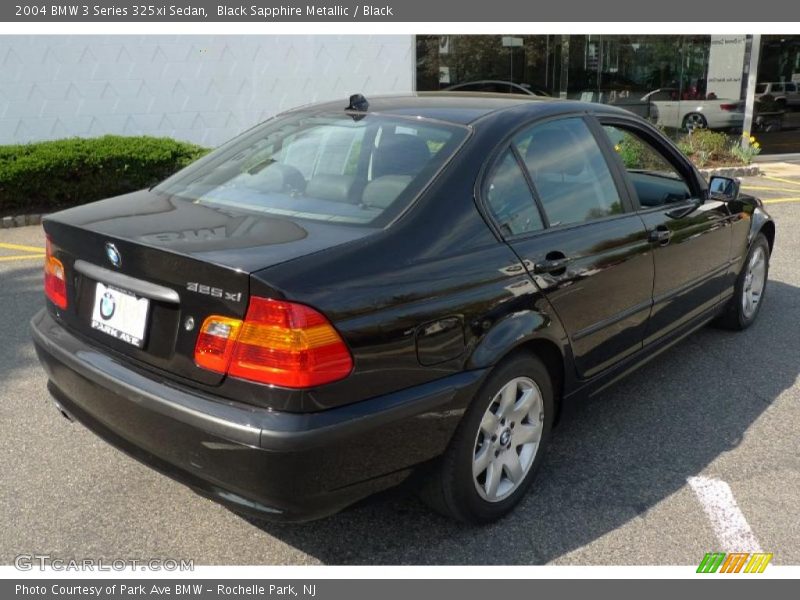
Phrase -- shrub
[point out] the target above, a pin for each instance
(745, 153)
(49, 175)
(704, 146)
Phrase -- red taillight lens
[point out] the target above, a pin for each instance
(279, 343)
(729, 107)
(55, 280)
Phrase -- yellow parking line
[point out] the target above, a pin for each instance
(768, 189)
(782, 180)
(7, 246)
(21, 257)
(781, 200)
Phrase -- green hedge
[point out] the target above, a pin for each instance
(49, 175)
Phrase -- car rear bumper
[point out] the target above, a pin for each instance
(283, 466)
(724, 119)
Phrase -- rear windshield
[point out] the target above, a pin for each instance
(356, 169)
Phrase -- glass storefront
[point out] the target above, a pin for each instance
(678, 82)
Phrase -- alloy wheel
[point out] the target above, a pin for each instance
(754, 281)
(508, 439)
(694, 121)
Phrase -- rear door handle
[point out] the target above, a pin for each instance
(550, 265)
(660, 235)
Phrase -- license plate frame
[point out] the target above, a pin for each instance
(120, 314)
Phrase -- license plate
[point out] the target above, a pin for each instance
(120, 314)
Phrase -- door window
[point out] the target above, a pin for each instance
(509, 198)
(655, 179)
(569, 171)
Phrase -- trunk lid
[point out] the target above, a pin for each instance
(188, 260)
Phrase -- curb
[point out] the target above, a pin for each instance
(21, 221)
(744, 171)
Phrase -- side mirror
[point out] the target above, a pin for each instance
(723, 188)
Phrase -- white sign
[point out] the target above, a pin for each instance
(725, 66)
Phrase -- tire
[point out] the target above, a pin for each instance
(694, 121)
(751, 284)
(462, 488)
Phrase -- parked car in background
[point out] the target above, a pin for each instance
(342, 297)
(785, 93)
(496, 87)
(624, 99)
(687, 113)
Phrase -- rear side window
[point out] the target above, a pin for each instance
(569, 171)
(334, 168)
(509, 198)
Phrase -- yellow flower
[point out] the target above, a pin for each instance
(756, 145)
(752, 139)
(617, 147)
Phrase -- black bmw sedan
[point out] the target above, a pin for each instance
(346, 295)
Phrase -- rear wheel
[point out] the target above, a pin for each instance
(694, 121)
(499, 445)
(748, 296)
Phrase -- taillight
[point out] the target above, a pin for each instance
(729, 107)
(279, 343)
(215, 343)
(55, 280)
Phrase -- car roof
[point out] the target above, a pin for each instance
(460, 107)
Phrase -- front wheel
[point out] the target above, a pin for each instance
(499, 445)
(751, 284)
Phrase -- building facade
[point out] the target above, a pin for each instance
(726, 82)
(199, 88)
(206, 89)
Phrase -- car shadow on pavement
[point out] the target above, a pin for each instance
(613, 460)
(21, 297)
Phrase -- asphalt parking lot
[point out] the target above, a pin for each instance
(613, 489)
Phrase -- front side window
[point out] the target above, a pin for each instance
(335, 168)
(656, 180)
(569, 171)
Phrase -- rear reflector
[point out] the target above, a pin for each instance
(279, 343)
(55, 281)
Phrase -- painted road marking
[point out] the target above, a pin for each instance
(36, 249)
(769, 189)
(731, 528)
(782, 180)
(781, 200)
(21, 257)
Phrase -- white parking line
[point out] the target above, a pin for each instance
(730, 526)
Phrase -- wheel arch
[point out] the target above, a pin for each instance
(768, 229)
(532, 333)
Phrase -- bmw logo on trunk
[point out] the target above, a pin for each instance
(113, 254)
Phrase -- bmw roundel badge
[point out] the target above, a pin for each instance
(113, 254)
(107, 306)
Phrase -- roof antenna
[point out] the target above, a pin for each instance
(358, 102)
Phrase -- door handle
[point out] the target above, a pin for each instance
(660, 235)
(551, 265)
